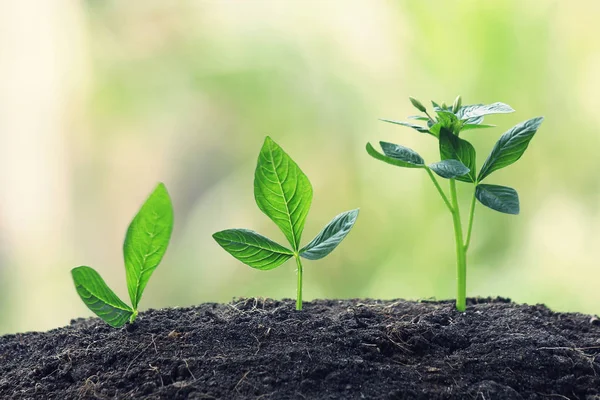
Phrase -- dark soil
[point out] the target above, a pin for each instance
(351, 349)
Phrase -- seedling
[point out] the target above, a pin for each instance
(284, 194)
(458, 164)
(145, 244)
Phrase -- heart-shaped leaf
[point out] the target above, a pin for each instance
(252, 248)
(96, 294)
(454, 148)
(282, 191)
(479, 110)
(331, 236)
(146, 241)
(449, 169)
(510, 147)
(500, 198)
(419, 128)
(401, 156)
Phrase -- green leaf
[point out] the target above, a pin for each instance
(500, 198)
(454, 148)
(252, 248)
(467, 127)
(96, 294)
(396, 155)
(282, 191)
(418, 118)
(510, 147)
(479, 110)
(419, 128)
(449, 169)
(331, 236)
(146, 241)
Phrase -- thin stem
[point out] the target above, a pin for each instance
(439, 188)
(299, 289)
(470, 226)
(429, 116)
(461, 257)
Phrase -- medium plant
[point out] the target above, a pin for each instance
(458, 164)
(145, 244)
(284, 194)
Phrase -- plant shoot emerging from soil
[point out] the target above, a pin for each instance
(458, 164)
(145, 244)
(284, 194)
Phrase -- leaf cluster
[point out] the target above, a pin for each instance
(145, 244)
(457, 155)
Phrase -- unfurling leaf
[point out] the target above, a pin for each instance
(510, 147)
(252, 248)
(96, 294)
(332, 235)
(146, 241)
(479, 110)
(282, 191)
(454, 148)
(449, 169)
(396, 155)
(499, 198)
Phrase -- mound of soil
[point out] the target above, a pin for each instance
(350, 349)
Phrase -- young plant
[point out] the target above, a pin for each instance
(458, 164)
(145, 244)
(284, 194)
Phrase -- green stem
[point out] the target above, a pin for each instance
(299, 289)
(439, 189)
(461, 256)
(470, 226)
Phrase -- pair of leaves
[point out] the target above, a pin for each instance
(283, 193)
(145, 244)
(401, 156)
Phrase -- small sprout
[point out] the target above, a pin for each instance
(458, 163)
(145, 244)
(418, 105)
(284, 194)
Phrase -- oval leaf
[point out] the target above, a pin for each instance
(331, 236)
(449, 169)
(282, 191)
(397, 161)
(454, 148)
(510, 147)
(499, 198)
(98, 297)
(252, 248)
(479, 110)
(401, 153)
(146, 241)
(419, 128)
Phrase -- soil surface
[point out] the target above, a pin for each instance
(348, 349)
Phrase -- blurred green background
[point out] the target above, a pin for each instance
(99, 100)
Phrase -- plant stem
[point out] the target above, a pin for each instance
(461, 256)
(299, 289)
(470, 226)
(439, 189)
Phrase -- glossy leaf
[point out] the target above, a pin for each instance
(146, 241)
(252, 248)
(510, 147)
(467, 127)
(454, 148)
(479, 110)
(98, 297)
(282, 191)
(499, 198)
(419, 128)
(449, 169)
(400, 156)
(331, 236)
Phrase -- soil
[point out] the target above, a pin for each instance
(346, 349)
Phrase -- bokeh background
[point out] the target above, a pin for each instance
(100, 100)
